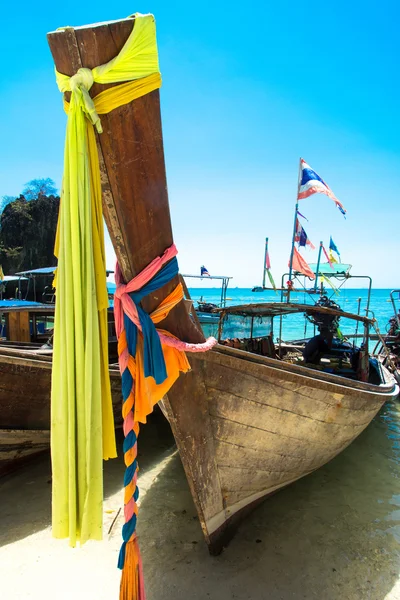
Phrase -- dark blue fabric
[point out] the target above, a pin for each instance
(131, 335)
(303, 237)
(310, 175)
(129, 473)
(161, 278)
(121, 557)
(154, 363)
(127, 383)
(129, 528)
(129, 441)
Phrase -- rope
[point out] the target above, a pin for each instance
(144, 383)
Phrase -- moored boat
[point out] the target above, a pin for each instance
(205, 316)
(257, 416)
(25, 381)
(246, 422)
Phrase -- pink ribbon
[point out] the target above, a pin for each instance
(123, 303)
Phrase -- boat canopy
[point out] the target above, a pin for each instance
(9, 278)
(225, 282)
(46, 271)
(15, 303)
(272, 309)
(325, 269)
(43, 271)
(208, 276)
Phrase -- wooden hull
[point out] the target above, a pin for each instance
(247, 426)
(25, 383)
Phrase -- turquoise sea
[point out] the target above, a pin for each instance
(295, 326)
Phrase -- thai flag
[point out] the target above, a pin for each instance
(311, 183)
(204, 272)
(301, 237)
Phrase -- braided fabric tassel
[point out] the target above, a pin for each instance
(139, 341)
(132, 583)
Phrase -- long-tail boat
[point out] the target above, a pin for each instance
(245, 424)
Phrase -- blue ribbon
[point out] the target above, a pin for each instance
(154, 363)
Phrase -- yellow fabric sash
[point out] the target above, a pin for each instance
(82, 425)
(122, 94)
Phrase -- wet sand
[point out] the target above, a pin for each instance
(332, 535)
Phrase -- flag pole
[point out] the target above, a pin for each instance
(294, 229)
(318, 262)
(265, 261)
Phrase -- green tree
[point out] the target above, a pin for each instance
(6, 200)
(39, 187)
(27, 233)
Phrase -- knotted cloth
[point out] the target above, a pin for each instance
(82, 426)
(150, 361)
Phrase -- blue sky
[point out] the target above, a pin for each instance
(247, 90)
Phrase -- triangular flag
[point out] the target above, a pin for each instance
(332, 246)
(332, 258)
(271, 279)
(300, 265)
(311, 183)
(327, 257)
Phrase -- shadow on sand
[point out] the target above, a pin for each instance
(26, 493)
(332, 535)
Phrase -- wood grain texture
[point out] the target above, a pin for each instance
(25, 385)
(270, 426)
(18, 326)
(16, 446)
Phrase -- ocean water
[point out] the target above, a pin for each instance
(296, 326)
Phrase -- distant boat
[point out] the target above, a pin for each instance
(204, 310)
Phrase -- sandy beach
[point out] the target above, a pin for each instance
(333, 535)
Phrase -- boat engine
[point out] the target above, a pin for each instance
(323, 322)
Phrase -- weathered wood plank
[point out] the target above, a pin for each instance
(281, 422)
(270, 396)
(18, 326)
(268, 441)
(324, 381)
(250, 481)
(191, 425)
(229, 453)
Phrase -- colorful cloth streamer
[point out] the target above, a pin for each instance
(150, 361)
(300, 265)
(327, 257)
(271, 279)
(332, 246)
(82, 426)
(311, 183)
